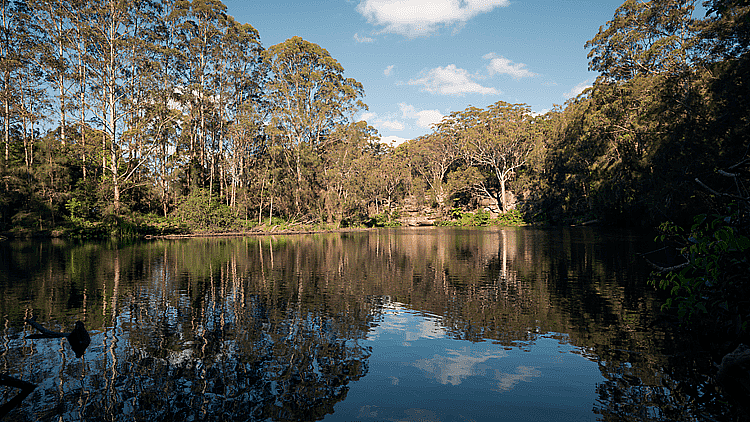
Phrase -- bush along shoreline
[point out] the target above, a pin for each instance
(197, 217)
(706, 279)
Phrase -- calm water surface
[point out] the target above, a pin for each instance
(424, 324)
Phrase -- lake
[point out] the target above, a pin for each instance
(408, 324)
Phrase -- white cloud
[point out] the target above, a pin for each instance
(391, 124)
(501, 65)
(458, 364)
(424, 118)
(523, 373)
(414, 18)
(540, 113)
(577, 89)
(388, 70)
(375, 120)
(451, 80)
(360, 39)
(393, 141)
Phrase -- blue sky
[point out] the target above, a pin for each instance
(420, 60)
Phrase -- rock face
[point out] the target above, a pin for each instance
(413, 215)
(416, 221)
(734, 374)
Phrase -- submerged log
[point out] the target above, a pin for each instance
(26, 389)
(78, 339)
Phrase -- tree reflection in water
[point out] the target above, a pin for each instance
(192, 346)
(277, 327)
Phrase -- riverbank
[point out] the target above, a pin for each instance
(152, 227)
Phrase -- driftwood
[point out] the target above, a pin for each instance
(78, 339)
(26, 389)
(660, 268)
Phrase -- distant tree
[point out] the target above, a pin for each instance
(498, 139)
(239, 81)
(308, 98)
(432, 157)
(56, 20)
(15, 35)
(344, 159)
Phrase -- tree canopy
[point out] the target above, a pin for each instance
(131, 108)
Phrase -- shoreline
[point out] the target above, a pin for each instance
(253, 233)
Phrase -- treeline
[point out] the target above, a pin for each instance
(661, 135)
(115, 108)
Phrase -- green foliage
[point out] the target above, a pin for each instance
(510, 218)
(497, 141)
(466, 219)
(712, 283)
(482, 218)
(278, 223)
(121, 227)
(201, 212)
(670, 106)
(386, 219)
(75, 209)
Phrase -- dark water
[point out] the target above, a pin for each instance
(390, 325)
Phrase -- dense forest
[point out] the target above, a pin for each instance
(125, 113)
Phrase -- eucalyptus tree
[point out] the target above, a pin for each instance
(391, 173)
(382, 177)
(14, 35)
(200, 40)
(498, 139)
(645, 38)
(237, 82)
(643, 115)
(163, 108)
(141, 78)
(343, 163)
(245, 150)
(111, 28)
(21, 74)
(432, 157)
(32, 102)
(55, 20)
(725, 32)
(308, 98)
(725, 44)
(78, 40)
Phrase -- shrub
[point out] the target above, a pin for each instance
(511, 218)
(711, 284)
(198, 211)
(482, 218)
(386, 219)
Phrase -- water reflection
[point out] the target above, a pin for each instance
(417, 324)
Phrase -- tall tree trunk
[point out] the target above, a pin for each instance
(298, 159)
(114, 152)
(112, 99)
(82, 122)
(61, 88)
(502, 195)
(6, 128)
